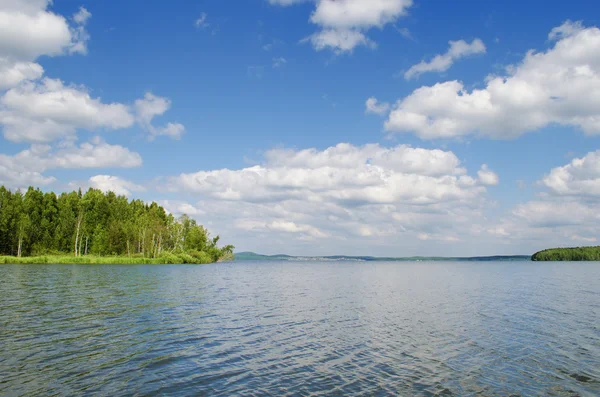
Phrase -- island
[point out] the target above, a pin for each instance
(568, 254)
(75, 228)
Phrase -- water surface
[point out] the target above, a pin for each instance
(301, 328)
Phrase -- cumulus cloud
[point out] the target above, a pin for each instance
(48, 110)
(26, 167)
(487, 176)
(178, 207)
(343, 194)
(440, 63)
(151, 106)
(12, 73)
(79, 33)
(115, 184)
(29, 30)
(581, 177)
(343, 23)
(42, 110)
(557, 86)
(340, 40)
(566, 210)
(15, 176)
(376, 107)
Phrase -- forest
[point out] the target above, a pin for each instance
(98, 227)
(568, 254)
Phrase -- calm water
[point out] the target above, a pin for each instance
(301, 328)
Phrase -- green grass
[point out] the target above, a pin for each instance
(106, 260)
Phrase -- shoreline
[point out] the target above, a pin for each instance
(104, 260)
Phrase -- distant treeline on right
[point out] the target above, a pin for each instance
(568, 254)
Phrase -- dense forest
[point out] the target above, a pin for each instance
(100, 224)
(568, 254)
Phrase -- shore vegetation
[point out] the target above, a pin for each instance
(568, 254)
(98, 227)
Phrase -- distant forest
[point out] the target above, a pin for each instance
(568, 254)
(101, 224)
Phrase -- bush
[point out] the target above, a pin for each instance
(168, 258)
(201, 257)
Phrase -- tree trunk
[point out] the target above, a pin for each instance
(159, 243)
(128, 252)
(79, 219)
(20, 245)
(86, 244)
(152, 250)
(143, 242)
(80, 244)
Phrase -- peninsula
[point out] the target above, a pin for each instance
(96, 227)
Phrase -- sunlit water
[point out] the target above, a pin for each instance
(301, 328)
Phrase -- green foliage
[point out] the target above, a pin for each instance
(98, 227)
(568, 254)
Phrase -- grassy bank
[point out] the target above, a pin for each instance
(110, 260)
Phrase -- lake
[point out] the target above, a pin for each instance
(301, 329)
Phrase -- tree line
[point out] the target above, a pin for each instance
(568, 254)
(38, 223)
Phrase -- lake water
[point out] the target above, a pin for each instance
(301, 328)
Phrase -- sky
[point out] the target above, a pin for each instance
(316, 127)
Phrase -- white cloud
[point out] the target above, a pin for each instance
(13, 73)
(343, 23)
(376, 107)
(279, 62)
(115, 184)
(202, 22)
(581, 177)
(42, 110)
(440, 63)
(29, 30)
(352, 14)
(26, 167)
(340, 40)
(565, 212)
(14, 176)
(178, 207)
(569, 28)
(557, 86)
(342, 194)
(151, 106)
(45, 111)
(81, 17)
(487, 176)
(280, 226)
(94, 154)
(405, 32)
(79, 34)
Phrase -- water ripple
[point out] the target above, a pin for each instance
(301, 329)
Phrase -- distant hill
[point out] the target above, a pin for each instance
(251, 256)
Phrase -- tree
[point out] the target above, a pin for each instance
(101, 224)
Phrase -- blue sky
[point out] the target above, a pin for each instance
(254, 117)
